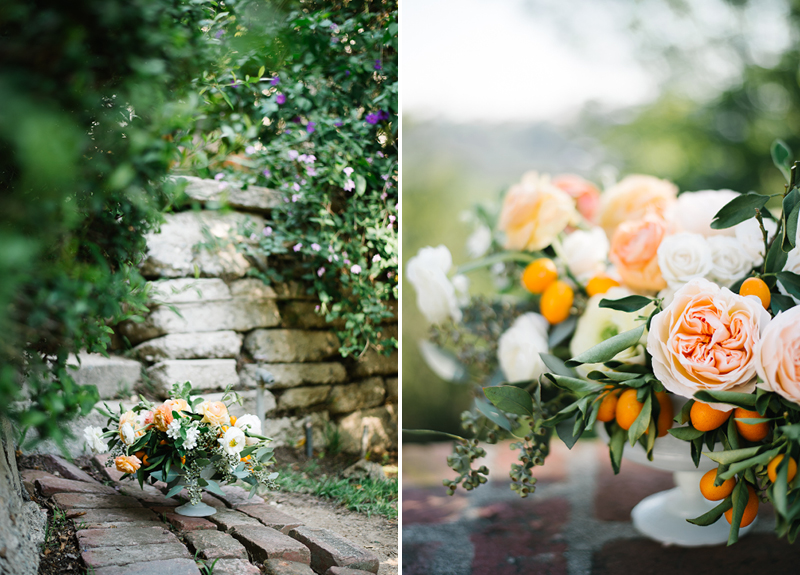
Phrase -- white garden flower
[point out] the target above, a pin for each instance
(684, 257)
(251, 424)
(127, 434)
(233, 441)
(585, 253)
(191, 438)
(519, 347)
(94, 439)
(479, 242)
(174, 429)
(730, 261)
(749, 235)
(694, 211)
(436, 296)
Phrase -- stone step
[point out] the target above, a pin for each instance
(291, 345)
(161, 567)
(124, 536)
(235, 567)
(329, 549)
(66, 469)
(265, 543)
(205, 374)
(201, 345)
(113, 376)
(91, 501)
(293, 374)
(212, 545)
(272, 517)
(132, 554)
(281, 567)
(51, 485)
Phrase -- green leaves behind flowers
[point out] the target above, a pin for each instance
(511, 399)
(782, 158)
(606, 350)
(628, 304)
(738, 210)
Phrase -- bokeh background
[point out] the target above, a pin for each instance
(694, 92)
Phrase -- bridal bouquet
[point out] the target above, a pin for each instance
(639, 309)
(187, 443)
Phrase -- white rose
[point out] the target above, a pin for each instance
(585, 253)
(251, 424)
(684, 257)
(519, 347)
(94, 439)
(731, 261)
(127, 434)
(436, 296)
(749, 235)
(694, 211)
(479, 242)
(233, 441)
(777, 355)
(792, 265)
(598, 324)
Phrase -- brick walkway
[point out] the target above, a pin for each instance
(576, 523)
(123, 530)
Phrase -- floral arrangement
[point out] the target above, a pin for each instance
(187, 443)
(641, 310)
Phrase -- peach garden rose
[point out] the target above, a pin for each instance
(127, 463)
(162, 416)
(778, 355)
(706, 340)
(214, 412)
(634, 252)
(534, 213)
(634, 197)
(585, 194)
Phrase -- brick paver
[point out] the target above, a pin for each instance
(265, 543)
(183, 523)
(215, 545)
(235, 567)
(328, 549)
(160, 567)
(91, 501)
(131, 554)
(67, 469)
(281, 567)
(227, 519)
(50, 485)
(94, 518)
(271, 517)
(236, 496)
(124, 536)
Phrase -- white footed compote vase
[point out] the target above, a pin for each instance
(663, 516)
(198, 509)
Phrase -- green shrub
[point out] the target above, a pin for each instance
(90, 100)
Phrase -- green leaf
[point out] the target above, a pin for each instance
(213, 487)
(510, 399)
(711, 517)
(685, 433)
(562, 331)
(683, 415)
(782, 157)
(361, 184)
(642, 421)
(629, 303)
(175, 490)
(616, 446)
(791, 203)
(740, 496)
(781, 487)
(566, 431)
(749, 463)
(729, 457)
(780, 302)
(791, 225)
(738, 210)
(556, 365)
(574, 384)
(745, 400)
(776, 258)
(492, 413)
(790, 282)
(606, 350)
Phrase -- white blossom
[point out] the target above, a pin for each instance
(94, 439)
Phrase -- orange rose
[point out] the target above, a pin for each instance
(214, 412)
(634, 252)
(534, 213)
(634, 197)
(584, 192)
(127, 463)
(162, 417)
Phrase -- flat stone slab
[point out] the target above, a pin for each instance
(189, 290)
(148, 495)
(29, 477)
(281, 567)
(49, 486)
(215, 545)
(205, 374)
(227, 519)
(345, 571)
(329, 549)
(91, 501)
(110, 518)
(125, 555)
(181, 522)
(124, 537)
(113, 376)
(236, 496)
(291, 345)
(111, 473)
(208, 345)
(254, 198)
(68, 470)
(235, 567)
(294, 374)
(161, 567)
(271, 517)
(265, 543)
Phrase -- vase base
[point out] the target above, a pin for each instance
(199, 510)
(663, 516)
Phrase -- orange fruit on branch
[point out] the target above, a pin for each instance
(772, 468)
(600, 284)
(756, 287)
(664, 422)
(750, 511)
(556, 302)
(713, 492)
(539, 275)
(706, 418)
(628, 408)
(750, 431)
(608, 405)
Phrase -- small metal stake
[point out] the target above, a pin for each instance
(309, 439)
(263, 377)
(364, 441)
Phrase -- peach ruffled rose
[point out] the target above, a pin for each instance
(634, 197)
(177, 405)
(584, 192)
(778, 355)
(534, 213)
(127, 463)
(214, 412)
(706, 340)
(634, 253)
(162, 416)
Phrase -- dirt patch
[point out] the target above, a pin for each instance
(60, 554)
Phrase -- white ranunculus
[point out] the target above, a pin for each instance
(694, 211)
(127, 434)
(94, 439)
(519, 347)
(479, 242)
(749, 235)
(598, 324)
(233, 441)
(731, 261)
(585, 253)
(683, 257)
(436, 296)
(251, 424)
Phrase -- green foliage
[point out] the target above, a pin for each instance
(92, 92)
(316, 122)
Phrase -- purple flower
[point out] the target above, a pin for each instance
(347, 171)
(296, 119)
(298, 247)
(267, 231)
(320, 272)
(295, 197)
(249, 150)
(349, 185)
(234, 84)
(334, 27)
(372, 118)
(310, 159)
(280, 99)
(293, 154)
(356, 269)
(275, 80)
(385, 177)
(219, 34)
(219, 176)
(346, 262)
(267, 173)
(378, 65)
(392, 218)
(303, 182)
(376, 258)
(383, 115)
(347, 72)
(379, 154)
(296, 187)
(338, 123)
(369, 160)
(384, 195)
(310, 127)
(311, 172)
(316, 247)
(287, 131)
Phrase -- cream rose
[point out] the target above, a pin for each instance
(534, 213)
(752, 239)
(684, 257)
(214, 412)
(585, 194)
(250, 424)
(778, 355)
(705, 339)
(127, 463)
(633, 198)
(694, 211)
(585, 253)
(519, 347)
(436, 296)
(731, 262)
(634, 253)
(598, 324)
